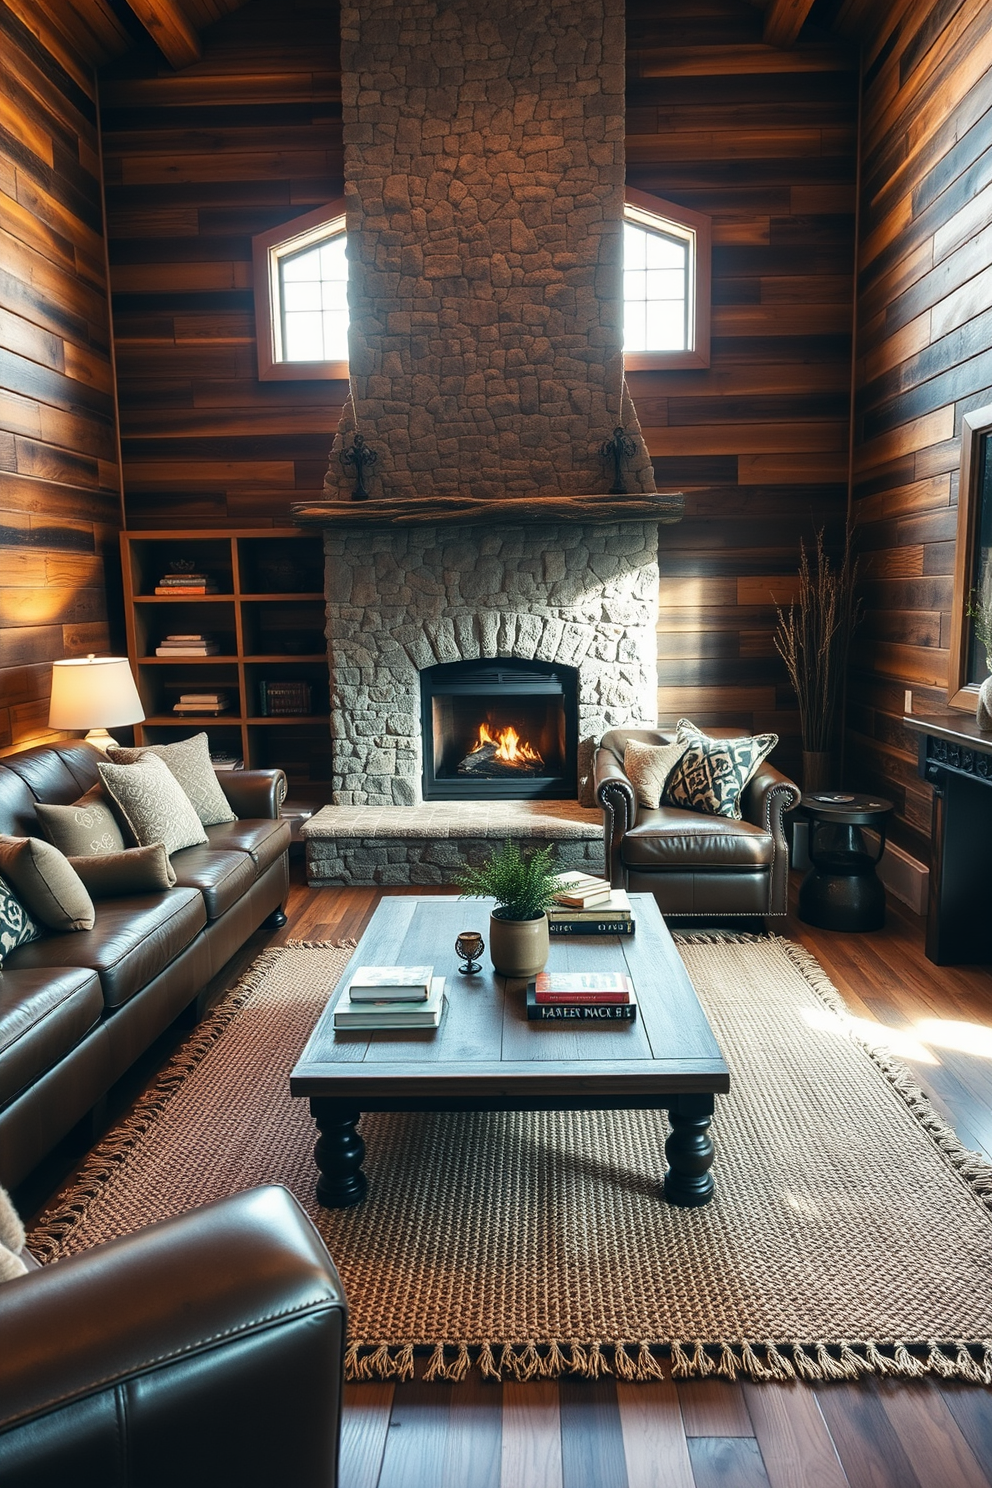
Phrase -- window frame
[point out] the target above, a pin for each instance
(268, 249)
(643, 209)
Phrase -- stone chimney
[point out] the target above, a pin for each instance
(484, 169)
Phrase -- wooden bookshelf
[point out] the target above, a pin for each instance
(268, 619)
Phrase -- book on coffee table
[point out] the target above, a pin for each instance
(390, 1013)
(580, 1012)
(396, 983)
(578, 890)
(612, 916)
(583, 986)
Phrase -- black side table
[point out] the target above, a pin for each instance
(841, 891)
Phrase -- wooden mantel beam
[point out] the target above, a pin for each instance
(784, 21)
(169, 29)
(447, 511)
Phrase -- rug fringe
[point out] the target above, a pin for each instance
(747, 1359)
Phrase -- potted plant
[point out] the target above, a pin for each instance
(813, 638)
(523, 887)
(979, 609)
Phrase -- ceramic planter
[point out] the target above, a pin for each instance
(984, 711)
(519, 948)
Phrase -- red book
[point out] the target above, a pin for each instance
(574, 988)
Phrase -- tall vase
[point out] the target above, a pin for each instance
(817, 770)
(983, 713)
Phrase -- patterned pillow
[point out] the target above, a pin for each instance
(189, 761)
(87, 828)
(16, 925)
(712, 774)
(154, 804)
(648, 766)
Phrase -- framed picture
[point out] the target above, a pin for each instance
(973, 558)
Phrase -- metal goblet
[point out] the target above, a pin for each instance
(471, 945)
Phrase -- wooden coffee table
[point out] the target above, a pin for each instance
(486, 1056)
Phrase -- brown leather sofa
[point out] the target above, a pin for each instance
(205, 1351)
(77, 1009)
(697, 865)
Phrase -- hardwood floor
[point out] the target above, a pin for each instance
(700, 1434)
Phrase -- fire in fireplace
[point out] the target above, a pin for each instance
(499, 729)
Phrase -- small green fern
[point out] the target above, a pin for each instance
(523, 886)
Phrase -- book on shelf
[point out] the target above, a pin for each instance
(205, 710)
(616, 907)
(211, 649)
(399, 983)
(583, 986)
(222, 760)
(579, 1012)
(350, 1013)
(283, 698)
(209, 699)
(174, 591)
(589, 925)
(578, 890)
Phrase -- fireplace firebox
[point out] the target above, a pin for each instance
(499, 729)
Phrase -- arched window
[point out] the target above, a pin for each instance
(666, 284)
(301, 297)
(301, 290)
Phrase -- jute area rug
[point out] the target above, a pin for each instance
(851, 1233)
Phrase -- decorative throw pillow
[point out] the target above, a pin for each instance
(85, 829)
(137, 870)
(11, 1239)
(48, 887)
(648, 766)
(712, 774)
(16, 925)
(189, 761)
(153, 803)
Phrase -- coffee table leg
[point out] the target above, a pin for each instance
(689, 1150)
(339, 1154)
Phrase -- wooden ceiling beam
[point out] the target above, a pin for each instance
(169, 29)
(784, 21)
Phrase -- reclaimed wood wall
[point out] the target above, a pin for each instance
(923, 362)
(763, 141)
(59, 477)
(197, 162)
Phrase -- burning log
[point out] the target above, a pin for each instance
(501, 754)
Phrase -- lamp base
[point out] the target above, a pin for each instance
(100, 739)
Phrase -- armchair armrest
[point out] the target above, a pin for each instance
(766, 800)
(258, 793)
(205, 1350)
(618, 799)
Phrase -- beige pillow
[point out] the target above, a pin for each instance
(46, 883)
(189, 761)
(153, 803)
(137, 870)
(85, 828)
(648, 766)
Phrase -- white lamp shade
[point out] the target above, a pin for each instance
(93, 692)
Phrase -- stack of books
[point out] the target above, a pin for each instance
(195, 644)
(588, 906)
(176, 585)
(391, 997)
(223, 759)
(581, 997)
(283, 698)
(202, 702)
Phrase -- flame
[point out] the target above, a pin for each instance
(509, 746)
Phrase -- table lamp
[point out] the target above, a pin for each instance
(90, 692)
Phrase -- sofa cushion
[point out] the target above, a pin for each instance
(648, 766)
(189, 761)
(136, 870)
(155, 805)
(17, 927)
(221, 876)
(686, 840)
(86, 828)
(43, 1014)
(46, 883)
(132, 941)
(265, 840)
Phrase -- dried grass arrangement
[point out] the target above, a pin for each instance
(813, 638)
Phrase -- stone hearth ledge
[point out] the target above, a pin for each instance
(429, 844)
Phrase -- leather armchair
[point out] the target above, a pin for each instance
(205, 1351)
(703, 866)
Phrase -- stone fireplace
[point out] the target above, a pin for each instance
(484, 172)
